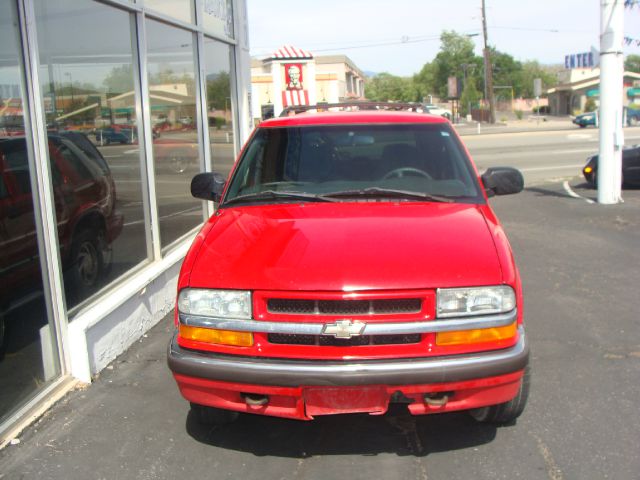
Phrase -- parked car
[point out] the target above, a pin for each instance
(116, 135)
(435, 110)
(591, 118)
(85, 209)
(353, 261)
(585, 119)
(630, 167)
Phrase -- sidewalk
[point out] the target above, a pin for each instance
(526, 124)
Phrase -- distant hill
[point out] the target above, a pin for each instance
(370, 74)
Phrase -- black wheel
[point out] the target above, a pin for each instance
(509, 411)
(213, 416)
(86, 265)
(106, 253)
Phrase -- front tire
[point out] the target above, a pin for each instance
(213, 416)
(86, 264)
(507, 412)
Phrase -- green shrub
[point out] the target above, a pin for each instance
(590, 105)
(519, 114)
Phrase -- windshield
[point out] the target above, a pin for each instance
(409, 162)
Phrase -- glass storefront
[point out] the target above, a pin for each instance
(105, 111)
(28, 353)
(90, 100)
(217, 58)
(172, 96)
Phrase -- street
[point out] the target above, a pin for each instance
(540, 156)
(579, 265)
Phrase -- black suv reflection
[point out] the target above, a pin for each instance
(87, 220)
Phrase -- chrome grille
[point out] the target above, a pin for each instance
(329, 341)
(344, 307)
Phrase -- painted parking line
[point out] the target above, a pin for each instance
(573, 194)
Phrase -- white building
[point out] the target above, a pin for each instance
(292, 76)
(107, 109)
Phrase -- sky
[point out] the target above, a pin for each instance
(400, 36)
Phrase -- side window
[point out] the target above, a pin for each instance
(250, 169)
(71, 158)
(17, 166)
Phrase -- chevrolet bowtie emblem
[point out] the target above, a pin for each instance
(343, 329)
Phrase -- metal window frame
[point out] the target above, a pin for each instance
(147, 163)
(41, 184)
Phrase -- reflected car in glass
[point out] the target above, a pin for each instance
(85, 209)
(111, 135)
(353, 261)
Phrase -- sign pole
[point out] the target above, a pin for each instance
(609, 174)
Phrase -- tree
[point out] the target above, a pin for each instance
(456, 50)
(119, 80)
(531, 70)
(632, 63)
(424, 80)
(385, 87)
(506, 71)
(219, 91)
(470, 96)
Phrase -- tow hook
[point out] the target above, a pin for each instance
(436, 399)
(255, 400)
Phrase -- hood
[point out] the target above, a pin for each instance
(347, 247)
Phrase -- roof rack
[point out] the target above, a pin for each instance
(295, 109)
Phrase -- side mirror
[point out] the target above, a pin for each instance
(502, 181)
(208, 186)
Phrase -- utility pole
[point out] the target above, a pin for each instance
(610, 115)
(488, 74)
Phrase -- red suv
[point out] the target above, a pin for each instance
(353, 261)
(85, 212)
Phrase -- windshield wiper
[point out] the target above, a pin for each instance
(377, 192)
(277, 195)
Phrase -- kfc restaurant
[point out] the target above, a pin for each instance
(107, 110)
(292, 76)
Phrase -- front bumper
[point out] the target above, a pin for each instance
(294, 373)
(303, 389)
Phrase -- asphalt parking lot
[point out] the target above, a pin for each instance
(579, 263)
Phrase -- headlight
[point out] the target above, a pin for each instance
(215, 303)
(460, 302)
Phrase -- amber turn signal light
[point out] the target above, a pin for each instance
(219, 337)
(481, 335)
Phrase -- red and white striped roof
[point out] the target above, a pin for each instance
(288, 52)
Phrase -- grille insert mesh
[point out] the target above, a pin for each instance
(344, 307)
(329, 341)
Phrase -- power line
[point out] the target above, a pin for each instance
(402, 41)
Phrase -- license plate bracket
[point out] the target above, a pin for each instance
(336, 400)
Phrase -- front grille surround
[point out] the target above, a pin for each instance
(330, 341)
(385, 306)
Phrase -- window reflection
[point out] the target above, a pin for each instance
(218, 67)
(178, 9)
(28, 356)
(172, 96)
(87, 77)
